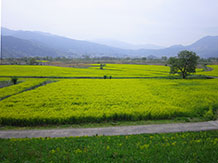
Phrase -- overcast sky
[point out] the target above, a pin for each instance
(161, 22)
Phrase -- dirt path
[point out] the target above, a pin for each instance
(124, 130)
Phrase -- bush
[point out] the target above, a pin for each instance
(14, 80)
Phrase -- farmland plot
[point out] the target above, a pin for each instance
(94, 100)
(115, 70)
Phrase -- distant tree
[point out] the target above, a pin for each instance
(144, 58)
(32, 61)
(102, 66)
(164, 58)
(184, 64)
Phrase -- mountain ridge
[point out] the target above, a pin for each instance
(63, 46)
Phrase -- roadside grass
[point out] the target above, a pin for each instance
(171, 147)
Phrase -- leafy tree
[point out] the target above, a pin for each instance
(184, 64)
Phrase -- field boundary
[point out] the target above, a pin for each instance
(123, 130)
(108, 77)
(81, 77)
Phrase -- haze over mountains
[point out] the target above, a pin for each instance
(124, 45)
(31, 43)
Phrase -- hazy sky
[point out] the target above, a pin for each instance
(162, 22)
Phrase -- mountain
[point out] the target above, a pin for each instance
(68, 47)
(205, 47)
(124, 45)
(5, 31)
(15, 47)
(32, 43)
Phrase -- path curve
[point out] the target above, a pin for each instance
(122, 130)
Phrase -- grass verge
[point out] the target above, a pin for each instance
(173, 147)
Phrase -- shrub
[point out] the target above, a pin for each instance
(14, 79)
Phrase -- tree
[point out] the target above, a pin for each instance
(101, 66)
(32, 61)
(184, 64)
(164, 58)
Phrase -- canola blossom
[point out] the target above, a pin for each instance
(23, 85)
(70, 101)
(212, 72)
(114, 70)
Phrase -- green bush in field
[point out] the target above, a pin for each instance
(14, 80)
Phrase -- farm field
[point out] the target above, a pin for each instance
(114, 70)
(173, 147)
(214, 72)
(23, 85)
(70, 101)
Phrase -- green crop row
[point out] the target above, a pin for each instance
(71, 101)
(171, 148)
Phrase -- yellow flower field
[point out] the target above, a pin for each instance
(95, 100)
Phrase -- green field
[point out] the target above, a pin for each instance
(96, 100)
(214, 71)
(114, 70)
(24, 85)
(75, 101)
(174, 147)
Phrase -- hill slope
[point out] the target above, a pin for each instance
(15, 47)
